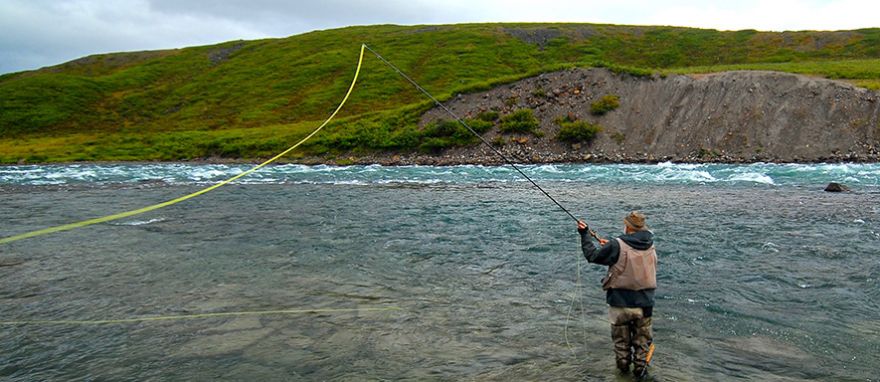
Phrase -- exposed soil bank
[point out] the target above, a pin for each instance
(742, 116)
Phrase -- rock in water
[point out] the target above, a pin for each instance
(836, 187)
(10, 263)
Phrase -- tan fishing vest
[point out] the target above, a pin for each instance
(634, 270)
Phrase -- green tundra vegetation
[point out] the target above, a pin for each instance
(520, 121)
(605, 104)
(253, 99)
(575, 131)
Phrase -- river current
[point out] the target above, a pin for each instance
(434, 273)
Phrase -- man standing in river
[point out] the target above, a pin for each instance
(629, 288)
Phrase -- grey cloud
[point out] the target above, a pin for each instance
(329, 12)
(36, 34)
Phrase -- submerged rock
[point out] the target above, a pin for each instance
(10, 262)
(836, 187)
(224, 343)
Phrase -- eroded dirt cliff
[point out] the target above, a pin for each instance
(742, 116)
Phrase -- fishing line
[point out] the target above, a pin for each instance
(574, 295)
(121, 215)
(515, 167)
(463, 123)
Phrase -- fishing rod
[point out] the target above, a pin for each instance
(489, 145)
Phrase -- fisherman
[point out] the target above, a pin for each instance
(629, 288)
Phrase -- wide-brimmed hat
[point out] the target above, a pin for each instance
(636, 221)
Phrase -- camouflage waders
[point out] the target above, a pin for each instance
(632, 335)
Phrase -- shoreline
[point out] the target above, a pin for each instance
(422, 160)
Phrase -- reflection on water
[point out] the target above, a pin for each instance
(756, 283)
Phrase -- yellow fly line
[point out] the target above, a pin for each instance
(121, 215)
(196, 316)
(126, 214)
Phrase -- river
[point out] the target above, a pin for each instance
(434, 273)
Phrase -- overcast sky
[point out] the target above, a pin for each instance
(37, 33)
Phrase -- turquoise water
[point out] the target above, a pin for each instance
(762, 275)
(867, 175)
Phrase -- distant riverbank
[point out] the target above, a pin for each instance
(730, 117)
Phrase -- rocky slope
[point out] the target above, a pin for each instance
(743, 116)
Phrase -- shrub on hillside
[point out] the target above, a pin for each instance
(480, 125)
(605, 104)
(444, 134)
(573, 131)
(488, 116)
(520, 121)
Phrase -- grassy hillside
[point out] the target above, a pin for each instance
(248, 99)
